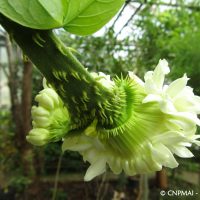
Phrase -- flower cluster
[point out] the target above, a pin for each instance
(160, 121)
(151, 122)
(50, 118)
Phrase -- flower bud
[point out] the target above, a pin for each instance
(38, 136)
(51, 119)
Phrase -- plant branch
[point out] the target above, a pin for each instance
(120, 13)
(57, 177)
(61, 69)
(128, 21)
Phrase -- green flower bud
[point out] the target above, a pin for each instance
(38, 136)
(45, 100)
(39, 111)
(51, 120)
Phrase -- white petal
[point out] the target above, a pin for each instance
(187, 118)
(197, 104)
(159, 73)
(152, 98)
(169, 138)
(196, 137)
(182, 151)
(185, 127)
(153, 165)
(95, 169)
(186, 144)
(136, 78)
(129, 168)
(187, 101)
(196, 142)
(115, 165)
(182, 124)
(141, 166)
(163, 64)
(162, 155)
(91, 155)
(186, 104)
(148, 75)
(185, 93)
(150, 86)
(177, 86)
(167, 106)
(75, 144)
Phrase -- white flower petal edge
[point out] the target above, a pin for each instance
(176, 97)
(136, 78)
(92, 151)
(154, 79)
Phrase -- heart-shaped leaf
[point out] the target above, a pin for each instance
(80, 17)
(87, 16)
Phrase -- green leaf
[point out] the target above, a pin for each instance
(80, 17)
(39, 14)
(85, 17)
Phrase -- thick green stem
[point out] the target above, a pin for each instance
(80, 92)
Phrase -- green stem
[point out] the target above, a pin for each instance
(57, 177)
(80, 92)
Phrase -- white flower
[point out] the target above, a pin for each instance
(150, 122)
(160, 121)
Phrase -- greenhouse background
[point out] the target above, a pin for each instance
(138, 36)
